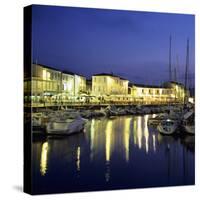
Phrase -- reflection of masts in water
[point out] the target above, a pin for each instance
(168, 163)
(184, 165)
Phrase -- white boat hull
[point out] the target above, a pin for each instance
(66, 127)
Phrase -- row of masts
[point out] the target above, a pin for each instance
(171, 73)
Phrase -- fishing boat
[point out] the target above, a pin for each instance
(168, 126)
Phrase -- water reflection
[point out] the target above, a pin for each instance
(146, 133)
(44, 158)
(78, 154)
(138, 132)
(122, 151)
(141, 133)
(109, 141)
(154, 142)
(126, 134)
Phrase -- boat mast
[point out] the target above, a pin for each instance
(170, 52)
(177, 68)
(186, 70)
(175, 77)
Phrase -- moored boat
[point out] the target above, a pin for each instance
(188, 123)
(60, 126)
(168, 126)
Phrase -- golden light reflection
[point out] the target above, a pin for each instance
(44, 158)
(154, 143)
(108, 139)
(126, 137)
(78, 154)
(146, 133)
(92, 134)
(139, 132)
(135, 131)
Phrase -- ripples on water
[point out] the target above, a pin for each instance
(113, 153)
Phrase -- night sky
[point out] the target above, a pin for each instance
(134, 45)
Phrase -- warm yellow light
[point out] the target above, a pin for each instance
(139, 132)
(146, 133)
(126, 137)
(44, 74)
(43, 160)
(69, 85)
(78, 153)
(108, 139)
(154, 143)
(135, 131)
(92, 135)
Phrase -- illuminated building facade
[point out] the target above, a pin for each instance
(44, 83)
(179, 90)
(80, 84)
(151, 94)
(168, 92)
(109, 87)
(49, 85)
(109, 84)
(148, 94)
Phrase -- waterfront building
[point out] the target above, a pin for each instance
(49, 85)
(169, 92)
(68, 83)
(80, 84)
(151, 94)
(109, 87)
(179, 91)
(109, 84)
(44, 83)
(89, 86)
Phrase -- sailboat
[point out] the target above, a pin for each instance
(170, 124)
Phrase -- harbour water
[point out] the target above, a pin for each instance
(112, 153)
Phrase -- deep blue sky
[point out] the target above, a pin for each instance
(131, 44)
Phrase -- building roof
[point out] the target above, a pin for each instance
(147, 86)
(173, 82)
(63, 71)
(45, 66)
(68, 72)
(110, 74)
